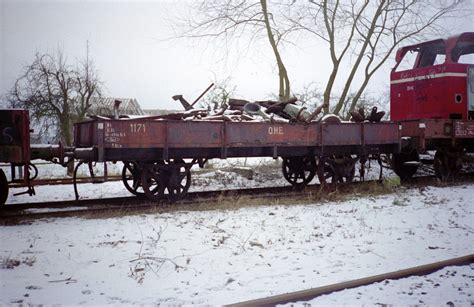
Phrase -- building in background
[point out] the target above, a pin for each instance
(104, 106)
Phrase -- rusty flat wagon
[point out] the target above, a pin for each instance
(154, 150)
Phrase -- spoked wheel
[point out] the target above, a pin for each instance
(3, 188)
(152, 181)
(131, 177)
(299, 171)
(405, 164)
(336, 170)
(169, 180)
(179, 180)
(447, 164)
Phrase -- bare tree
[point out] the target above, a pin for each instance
(310, 95)
(242, 19)
(219, 95)
(56, 93)
(365, 33)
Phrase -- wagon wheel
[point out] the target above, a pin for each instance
(405, 164)
(33, 171)
(447, 164)
(153, 181)
(336, 170)
(179, 180)
(299, 171)
(3, 188)
(131, 177)
(161, 181)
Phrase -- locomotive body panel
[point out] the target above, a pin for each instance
(464, 129)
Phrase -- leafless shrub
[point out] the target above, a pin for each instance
(11, 263)
(146, 262)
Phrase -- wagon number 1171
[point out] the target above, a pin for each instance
(137, 128)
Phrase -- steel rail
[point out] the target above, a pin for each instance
(14, 212)
(307, 295)
(132, 198)
(58, 181)
(141, 198)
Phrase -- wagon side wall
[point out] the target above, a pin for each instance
(145, 139)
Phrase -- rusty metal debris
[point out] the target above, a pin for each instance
(233, 110)
(186, 105)
(359, 116)
(244, 110)
(236, 110)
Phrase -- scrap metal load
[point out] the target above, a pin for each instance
(243, 110)
(273, 111)
(285, 111)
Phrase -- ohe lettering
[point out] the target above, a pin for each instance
(275, 130)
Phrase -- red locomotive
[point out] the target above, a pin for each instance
(432, 110)
(436, 84)
(433, 99)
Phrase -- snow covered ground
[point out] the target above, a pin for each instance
(227, 256)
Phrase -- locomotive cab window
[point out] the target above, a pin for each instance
(424, 55)
(408, 60)
(463, 52)
(432, 54)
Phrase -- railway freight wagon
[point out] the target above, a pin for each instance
(159, 153)
(432, 97)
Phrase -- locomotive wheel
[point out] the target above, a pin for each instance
(161, 181)
(299, 171)
(336, 170)
(447, 164)
(131, 177)
(403, 169)
(3, 188)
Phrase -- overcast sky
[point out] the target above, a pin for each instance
(127, 42)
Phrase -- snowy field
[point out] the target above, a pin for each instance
(228, 256)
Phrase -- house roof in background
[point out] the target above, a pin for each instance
(104, 106)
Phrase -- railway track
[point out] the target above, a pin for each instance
(131, 204)
(59, 181)
(307, 295)
(16, 213)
